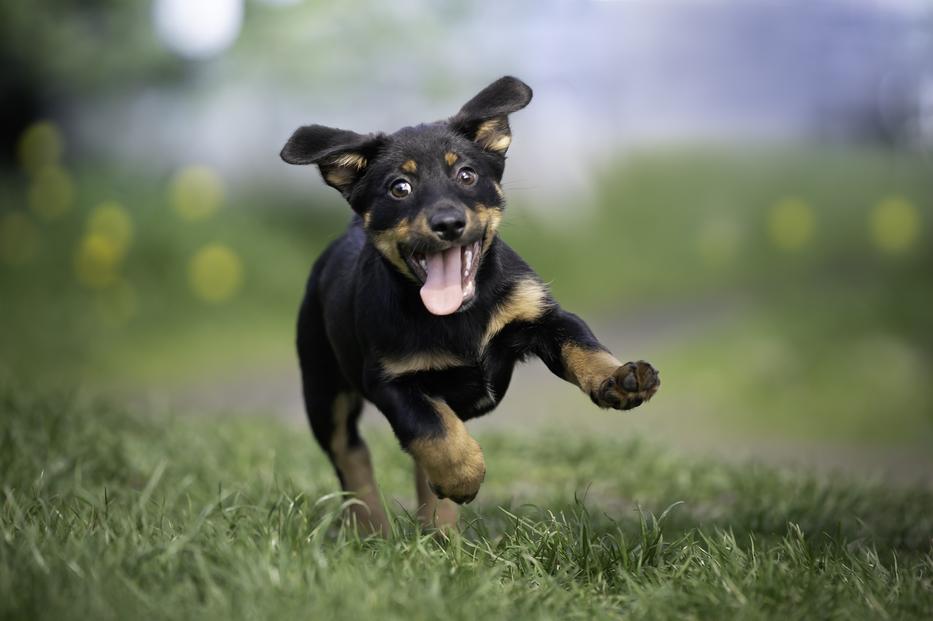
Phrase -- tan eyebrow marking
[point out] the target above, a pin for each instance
(409, 166)
(450, 158)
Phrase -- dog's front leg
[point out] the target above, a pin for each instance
(569, 349)
(434, 435)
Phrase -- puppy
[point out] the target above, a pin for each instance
(421, 309)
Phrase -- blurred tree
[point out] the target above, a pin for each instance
(55, 50)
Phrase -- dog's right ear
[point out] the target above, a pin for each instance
(341, 155)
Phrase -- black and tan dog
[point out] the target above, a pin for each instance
(421, 309)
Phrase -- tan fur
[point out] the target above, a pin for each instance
(492, 225)
(356, 470)
(494, 135)
(452, 461)
(420, 225)
(499, 144)
(588, 368)
(387, 243)
(526, 302)
(343, 169)
(498, 189)
(422, 361)
(432, 511)
(350, 160)
(451, 158)
(338, 177)
(409, 166)
(489, 219)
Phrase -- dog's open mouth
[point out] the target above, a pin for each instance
(449, 276)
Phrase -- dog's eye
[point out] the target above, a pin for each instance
(400, 188)
(466, 176)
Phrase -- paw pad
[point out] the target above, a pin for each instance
(629, 386)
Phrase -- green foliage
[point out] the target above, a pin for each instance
(107, 513)
(829, 340)
(68, 48)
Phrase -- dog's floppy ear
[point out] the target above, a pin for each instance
(341, 155)
(485, 118)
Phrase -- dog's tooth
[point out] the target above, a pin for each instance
(469, 258)
(424, 264)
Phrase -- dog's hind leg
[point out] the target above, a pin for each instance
(333, 410)
(433, 511)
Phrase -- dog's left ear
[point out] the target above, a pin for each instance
(485, 118)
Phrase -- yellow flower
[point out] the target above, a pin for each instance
(791, 224)
(112, 221)
(196, 192)
(97, 260)
(215, 273)
(894, 225)
(40, 145)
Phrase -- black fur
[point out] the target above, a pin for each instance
(362, 304)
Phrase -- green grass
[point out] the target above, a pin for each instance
(109, 511)
(112, 513)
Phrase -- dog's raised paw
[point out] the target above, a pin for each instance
(629, 386)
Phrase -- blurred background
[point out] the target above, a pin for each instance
(739, 192)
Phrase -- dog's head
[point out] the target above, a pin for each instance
(429, 195)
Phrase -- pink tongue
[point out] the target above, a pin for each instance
(442, 293)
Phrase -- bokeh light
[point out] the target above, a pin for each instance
(19, 238)
(198, 29)
(112, 221)
(97, 261)
(791, 224)
(215, 273)
(894, 225)
(51, 194)
(196, 192)
(40, 145)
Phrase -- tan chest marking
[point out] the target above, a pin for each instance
(526, 302)
(422, 361)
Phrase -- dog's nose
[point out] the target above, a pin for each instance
(448, 224)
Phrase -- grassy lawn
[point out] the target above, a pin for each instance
(109, 513)
(785, 297)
